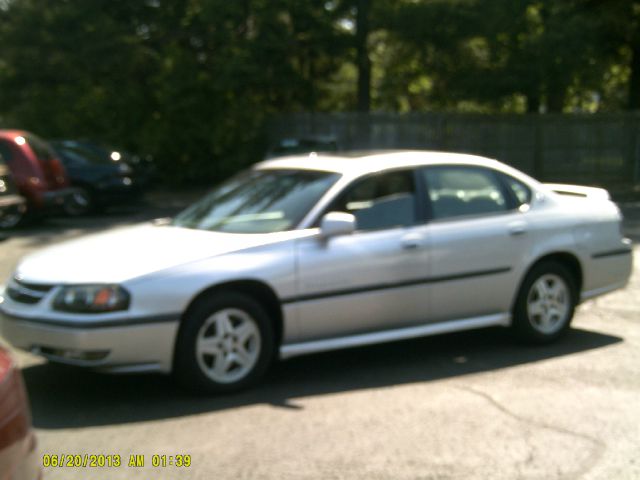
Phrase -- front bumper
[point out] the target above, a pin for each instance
(11, 201)
(126, 347)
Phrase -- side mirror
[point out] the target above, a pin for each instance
(337, 223)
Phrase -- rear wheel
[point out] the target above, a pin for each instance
(545, 304)
(226, 343)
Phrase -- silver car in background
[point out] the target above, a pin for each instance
(311, 253)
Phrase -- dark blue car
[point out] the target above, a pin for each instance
(102, 177)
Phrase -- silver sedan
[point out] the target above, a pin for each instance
(312, 253)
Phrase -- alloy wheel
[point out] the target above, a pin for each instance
(548, 303)
(228, 345)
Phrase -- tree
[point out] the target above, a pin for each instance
(190, 81)
(527, 55)
(621, 25)
(363, 61)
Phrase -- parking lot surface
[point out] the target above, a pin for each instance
(471, 405)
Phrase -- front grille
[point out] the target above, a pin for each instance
(70, 354)
(30, 293)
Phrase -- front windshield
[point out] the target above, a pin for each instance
(258, 201)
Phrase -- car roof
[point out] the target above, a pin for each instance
(358, 162)
(11, 134)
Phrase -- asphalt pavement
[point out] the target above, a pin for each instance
(471, 405)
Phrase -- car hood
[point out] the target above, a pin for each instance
(130, 252)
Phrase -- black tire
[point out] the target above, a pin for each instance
(189, 366)
(81, 202)
(12, 218)
(531, 328)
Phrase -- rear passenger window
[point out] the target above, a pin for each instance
(463, 191)
(381, 201)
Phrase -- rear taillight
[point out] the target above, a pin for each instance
(6, 365)
(54, 171)
(58, 173)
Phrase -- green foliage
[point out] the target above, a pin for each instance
(528, 54)
(190, 81)
(194, 82)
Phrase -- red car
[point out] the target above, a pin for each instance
(37, 172)
(18, 455)
(11, 204)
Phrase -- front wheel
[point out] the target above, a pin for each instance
(12, 217)
(79, 203)
(225, 344)
(545, 304)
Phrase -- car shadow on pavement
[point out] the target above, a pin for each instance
(66, 397)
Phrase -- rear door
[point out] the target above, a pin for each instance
(478, 234)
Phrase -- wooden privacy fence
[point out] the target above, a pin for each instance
(598, 149)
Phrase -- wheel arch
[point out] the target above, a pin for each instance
(257, 290)
(568, 260)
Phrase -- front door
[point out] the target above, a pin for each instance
(372, 279)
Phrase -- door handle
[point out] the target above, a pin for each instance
(518, 228)
(411, 242)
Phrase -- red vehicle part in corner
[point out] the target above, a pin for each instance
(37, 172)
(18, 454)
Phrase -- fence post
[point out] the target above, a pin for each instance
(538, 161)
(633, 155)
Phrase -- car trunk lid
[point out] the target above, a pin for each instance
(593, 193)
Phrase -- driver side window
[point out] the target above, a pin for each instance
(381, 201)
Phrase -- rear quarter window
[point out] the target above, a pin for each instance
(521, 192)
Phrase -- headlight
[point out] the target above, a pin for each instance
(91, 299)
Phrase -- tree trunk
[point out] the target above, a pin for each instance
(364, 64)
(556, 93)
(634, 81)
(533, 102)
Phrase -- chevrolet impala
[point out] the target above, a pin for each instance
(311, 253)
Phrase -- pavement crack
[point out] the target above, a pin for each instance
(598, 445)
